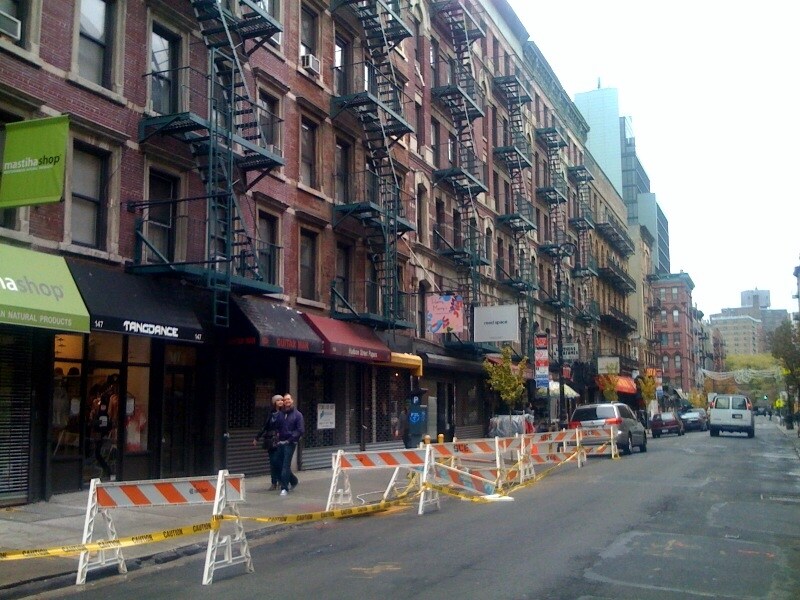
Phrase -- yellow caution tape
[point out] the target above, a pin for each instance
(448, 491)
(168, 534)
(126, 542)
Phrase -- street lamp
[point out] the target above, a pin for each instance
(561, 251)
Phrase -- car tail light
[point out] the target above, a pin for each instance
(574, 424)
(614, 421)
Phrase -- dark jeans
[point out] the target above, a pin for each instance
(275, 465)
(285, 453)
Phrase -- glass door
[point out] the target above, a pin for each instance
(176, 412)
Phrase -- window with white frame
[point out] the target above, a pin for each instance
(268, 247)
(96, 41)
(164, 63)
(308, 153)
(308, 31)
(89, 196)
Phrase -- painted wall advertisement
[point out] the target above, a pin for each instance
(444, 314)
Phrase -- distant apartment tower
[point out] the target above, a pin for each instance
(612, 143)
(741, 334)
(756, 304)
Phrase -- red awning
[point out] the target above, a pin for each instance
(348, 340)
(625, 385)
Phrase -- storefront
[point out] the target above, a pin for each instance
(456, 398)
(39, 301)
(127, 401)
(270, 346)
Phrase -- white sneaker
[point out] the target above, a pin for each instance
(284, 493)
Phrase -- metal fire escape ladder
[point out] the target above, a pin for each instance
(586, 308)
(377, 103)
(464, 30)
(515, 154)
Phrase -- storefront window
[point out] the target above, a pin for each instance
(105, 347)
(139, 349)
(68, 346)
(102, 412)
(137, 406)
(66, 409)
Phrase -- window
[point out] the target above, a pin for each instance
(434, 62)
(675, 316)
(662, 294)
(308, 32)
(342, 281)
(164, 58)
(435, 143)
(308, 264)
(419, 125)
(89, 182)
(674, 293)
(663, 316)
(341, 62)
(422, 214)
(308, 153)
(665, 363)
(161, 216)
(676, 339)
(677, 362)
(268, 247)
(95, 43)
(663, 339)
(342, 176)
(270, 120)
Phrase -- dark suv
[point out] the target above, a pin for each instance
(630, 432)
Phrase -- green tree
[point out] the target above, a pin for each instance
(506, 378)
(785, 346)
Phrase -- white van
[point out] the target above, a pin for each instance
(731, 412)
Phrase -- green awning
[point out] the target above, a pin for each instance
(37, 290)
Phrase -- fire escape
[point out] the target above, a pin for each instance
(233, 141)
(554, 194)
(515, 154)
(370, 91)
(586, 307)
(464, 172)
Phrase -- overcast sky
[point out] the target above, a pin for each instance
(712, 90)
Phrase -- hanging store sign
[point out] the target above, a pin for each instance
(497, 323)
(541, 365)
(34, 156)
(444, 314)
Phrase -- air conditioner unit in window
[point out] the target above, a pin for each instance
(310, 63)
(10, 26)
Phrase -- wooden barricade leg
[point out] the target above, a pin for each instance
(228, 543)
(428, 496)
(339, 495)
(90, 561)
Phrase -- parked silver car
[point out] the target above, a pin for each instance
(630, 432)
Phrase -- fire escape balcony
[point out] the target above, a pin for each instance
(616, 319)
(614, 274)
(616, 234)
(555, 193)
(254, 23)
(465, 27)
(464, 250)
(457, 87)
(254, 135)
(168, 243)
(361, 301)
(654, 307)
(369, 94)
(521, 219)
(515, 153)
(551, 299)
(383, 25)
(511, 87)
(588, 312)
(522, 278)
(585, 266)
(365, 195)
(458, 165)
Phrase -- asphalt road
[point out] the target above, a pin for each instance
(695, 516)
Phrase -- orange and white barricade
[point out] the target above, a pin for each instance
(535, 449)
(223, 490)
(417, 461)
(475, 466)
(599, 441)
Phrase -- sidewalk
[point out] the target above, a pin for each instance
(60, 522)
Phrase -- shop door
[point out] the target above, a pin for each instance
(176, 413)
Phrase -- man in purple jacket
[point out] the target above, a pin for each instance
(291, 429)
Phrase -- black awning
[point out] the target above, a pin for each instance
(450, 363)
(276, 326)
(135, 304)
